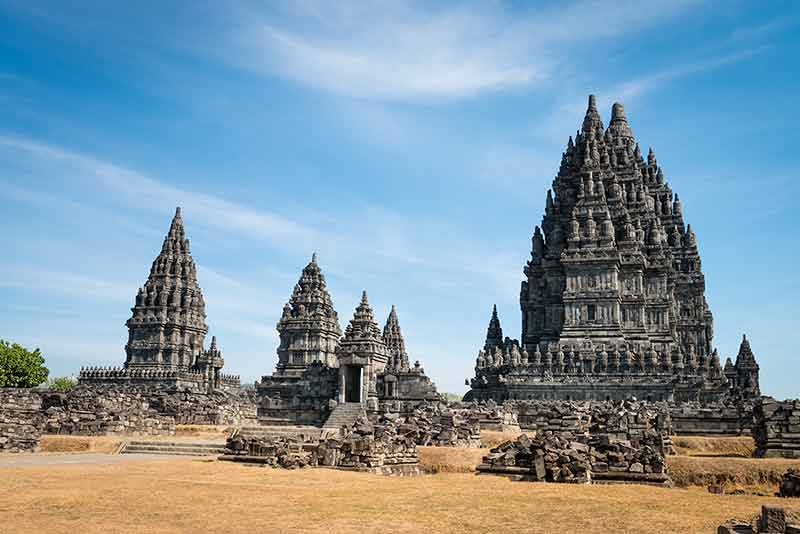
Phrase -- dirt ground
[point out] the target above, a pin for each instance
(191, 495)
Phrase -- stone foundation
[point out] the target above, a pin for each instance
(777, 428)
(20, 419)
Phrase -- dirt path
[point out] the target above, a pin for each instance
(37, 460)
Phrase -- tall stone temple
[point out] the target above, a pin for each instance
(318, 369)
(167, 328)
(613, 301)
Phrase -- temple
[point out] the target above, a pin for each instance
(167, 328)
(321, 373)
(613, 301)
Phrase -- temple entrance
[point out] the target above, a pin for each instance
(352, 383)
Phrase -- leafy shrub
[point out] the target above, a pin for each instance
(19, 367)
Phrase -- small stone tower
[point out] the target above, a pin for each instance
(494, 334)
(309, 327)
(362, 354)
(168, 328)
(398, 357)
(747, 370)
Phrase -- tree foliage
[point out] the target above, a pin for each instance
(62, 383)
(19, 367)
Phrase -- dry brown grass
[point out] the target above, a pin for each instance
(77, 444)
(737, 446)
(450, 460)
(750, 474)
(185, 495)
(491, 438)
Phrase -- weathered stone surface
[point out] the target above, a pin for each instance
(318, 368)
(774, 428)
(438, 425)
(613, 304)
(378, 447)
(790, 485)
(167, 329)
(20, 419)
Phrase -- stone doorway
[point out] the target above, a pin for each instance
(352, 383)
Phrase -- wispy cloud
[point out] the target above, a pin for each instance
(31, 278)
(409, 50)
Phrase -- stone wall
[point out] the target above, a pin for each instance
(297, 400)
(102, 410)
(20, 419)
(716, 419)
(776, 428)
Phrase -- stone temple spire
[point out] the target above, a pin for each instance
(747, 371)
(592, 123)
(363, 325)
(494, 334)
(309, 326)
(398, 357)
(168, 328)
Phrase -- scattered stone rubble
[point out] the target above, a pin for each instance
(776, 428)
(378, 447)
(620, 442)
(550, 458)
(790, 485)
(491, 415)
(773, 520)
(20, 415)
(436, 425)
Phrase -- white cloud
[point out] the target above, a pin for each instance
(409, 50)
(31, 278)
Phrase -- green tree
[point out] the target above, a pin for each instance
(19, 367)
(62, 383)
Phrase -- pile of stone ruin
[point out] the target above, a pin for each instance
(773, 520)
(588, 441)
(437, 425)
(379, 448)
(776, 428)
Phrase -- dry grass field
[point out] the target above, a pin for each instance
(190, 495)
(742, 446)
(204, 495)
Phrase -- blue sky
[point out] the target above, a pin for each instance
(410, 144)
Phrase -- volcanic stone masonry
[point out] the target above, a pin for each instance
(319, 370)
(613, 302)
(776, 429)
(587, 441)
(167, 329)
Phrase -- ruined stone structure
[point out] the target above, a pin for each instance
(613, 302)
(167, 329)
(318, 369)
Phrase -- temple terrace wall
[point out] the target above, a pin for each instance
(109, 409)
(776, 428)
(20, 419)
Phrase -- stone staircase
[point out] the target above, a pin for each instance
(343, 414)
(173, 448)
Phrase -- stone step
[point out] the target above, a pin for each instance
(173, 448)
(343, 414)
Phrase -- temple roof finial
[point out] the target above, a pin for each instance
(364, 297)
(314, 257)
(592, 103)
